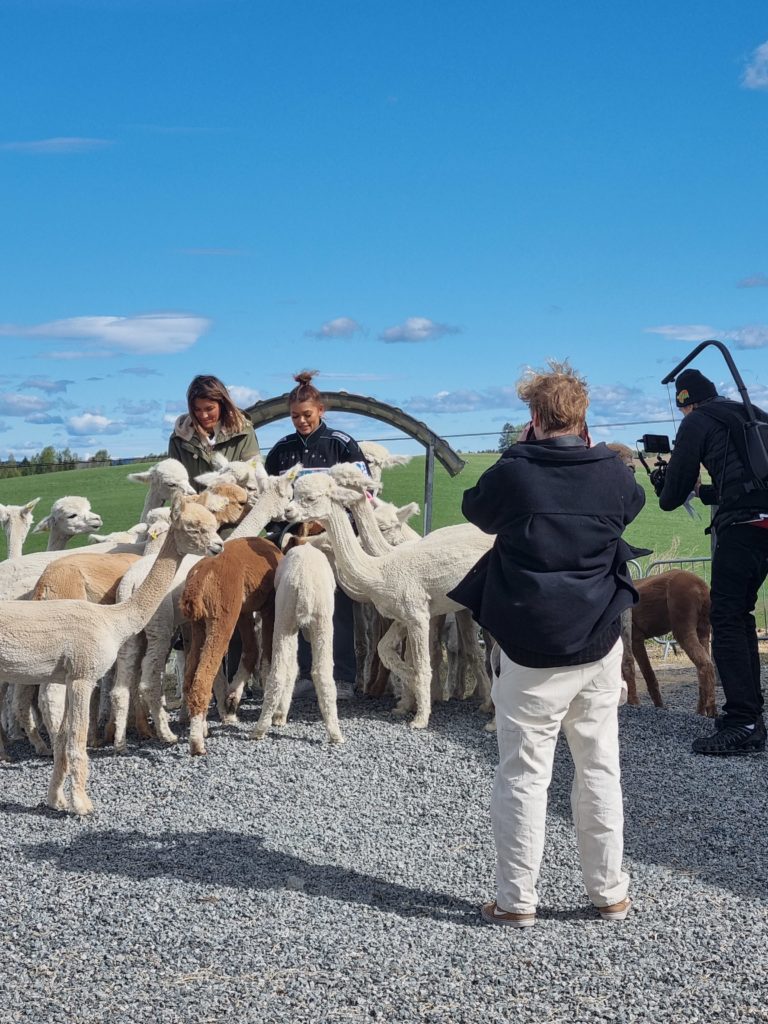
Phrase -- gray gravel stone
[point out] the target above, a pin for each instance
(292, 881)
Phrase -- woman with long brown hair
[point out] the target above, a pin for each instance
(213, 423)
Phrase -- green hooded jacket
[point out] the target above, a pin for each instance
(196, 456)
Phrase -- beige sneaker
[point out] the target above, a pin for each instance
(491, 913)
(616, 911)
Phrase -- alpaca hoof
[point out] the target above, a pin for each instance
(57, 803)
(81, 804)
(257, 734)
(634, 701)
(278, 720)
(197, 748)
(490, 726)
(709, 711)
(229, 719)
(486, 706)
(420, 722)
(120, 747)
(335, 739)
(168, 737)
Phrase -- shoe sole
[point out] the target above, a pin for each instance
(759, 749)
(616, 915)
(491, 918)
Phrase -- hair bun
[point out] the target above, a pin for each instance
(305, 376)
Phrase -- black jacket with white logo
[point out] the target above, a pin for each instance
(323, 448)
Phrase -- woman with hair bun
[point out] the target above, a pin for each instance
(315, 445)
(213, 423)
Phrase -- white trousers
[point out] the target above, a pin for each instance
(531, 706)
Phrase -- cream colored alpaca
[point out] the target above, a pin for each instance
(75, 642)
(304, 588)
(165, 479)
(16, 521)
(408, 585)
(380, 458)
(69, 516)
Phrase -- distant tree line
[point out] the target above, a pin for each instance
(54, 460)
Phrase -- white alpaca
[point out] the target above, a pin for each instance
(409, 584)
(244, 474)
(380, 458)
(165, 479)
(16, 521)
(69, 516)
(75, 642)
(303, 600)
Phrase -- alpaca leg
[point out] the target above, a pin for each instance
(322, 676)
(472, 656)
(628, 658)
(362, 656)
(127, 669)
(418, 642)
(280, 683)
(698, 654)
(24, 710)
(200, 676)
(150, 693)
(436, 628)
(56, 798)
(379, 679)
(390, 657)
(53, 702)
(78, 715)
(93, 710)
(3, 737)
(641, 656)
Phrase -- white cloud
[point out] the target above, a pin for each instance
(140, 371)
(61, 144)
(619, 402)
(46, 384)
(12, 404)
(755, 281)
(151, 333)
(756, 72)
(417, 328)
(243, 396)
(464, 400)
(92, 423)
(44, 418)
(341, 327)
(69, 355)
(751, 336)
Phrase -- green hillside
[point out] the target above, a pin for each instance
(119, 502)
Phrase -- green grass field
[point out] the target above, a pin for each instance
(119, 502)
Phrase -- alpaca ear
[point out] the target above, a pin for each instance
(43, 526)
(219, 461)
(206, 479)
(347, 495)
(29, 507)
(215, 502)
(407, 511)
(139, 478)
(177, 504)
(3, 514)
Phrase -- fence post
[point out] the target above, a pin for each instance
(429, 481)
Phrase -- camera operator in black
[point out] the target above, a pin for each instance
(710, 435)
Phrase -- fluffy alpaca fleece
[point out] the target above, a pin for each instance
(165, 479)
(16, 521)
(380, 458)
(675, 602)
(409, 584)
(69, 516)
(219, 592)
(75, 642)
(141, 661)
(304, 587)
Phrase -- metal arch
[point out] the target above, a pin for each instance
(271, 409)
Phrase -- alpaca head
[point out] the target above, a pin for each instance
(380, 458)
(393, 521)
(22, 513)
(234, 506)
(195, 528)
(70, 516)
(244, 474)
(165, 478)
(315, 495)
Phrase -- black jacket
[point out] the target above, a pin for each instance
(323, 448)
(554, 583)
(704, 441)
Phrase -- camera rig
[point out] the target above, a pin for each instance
(658, 445)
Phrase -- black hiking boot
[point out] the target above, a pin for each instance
(732, 739)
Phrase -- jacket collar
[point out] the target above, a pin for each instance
(312, 440)
(184, 429)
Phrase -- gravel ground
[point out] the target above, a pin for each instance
(288, 881)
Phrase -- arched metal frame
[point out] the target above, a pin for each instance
(271, 409)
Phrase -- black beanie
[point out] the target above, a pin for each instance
(692, 387)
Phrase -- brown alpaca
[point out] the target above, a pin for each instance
(219, 594)
(674, 602)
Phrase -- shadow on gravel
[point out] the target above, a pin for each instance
(241, 862)
(700, 817)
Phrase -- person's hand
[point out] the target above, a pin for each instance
(526, 434)
(657, 479)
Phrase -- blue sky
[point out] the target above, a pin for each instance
(416, 198)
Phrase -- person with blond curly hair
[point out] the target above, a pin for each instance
(551, 591)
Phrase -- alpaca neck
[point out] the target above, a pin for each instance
(131, 616)
(152, 500)
(268, 506)
(15, 532)
(57, 540)
(357, 571)
(370, 535)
